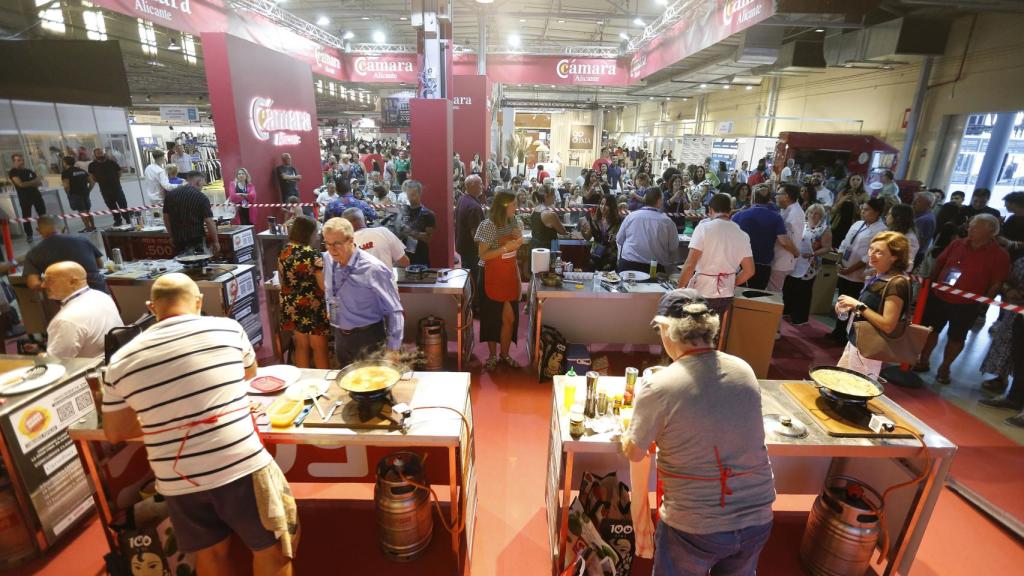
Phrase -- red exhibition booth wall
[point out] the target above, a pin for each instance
(263, 105)
(471, 118)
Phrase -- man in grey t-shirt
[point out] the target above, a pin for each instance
(703, 413)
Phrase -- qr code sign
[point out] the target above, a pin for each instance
(65, 411)
(83, 401)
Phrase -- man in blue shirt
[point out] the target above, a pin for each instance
(648, 234)
(615, 175)
(765, 226)
(362, 299)
(345, 201)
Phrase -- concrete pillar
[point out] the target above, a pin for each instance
(915, 117)
(995, 155)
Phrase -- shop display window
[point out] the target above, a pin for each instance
(971, 152)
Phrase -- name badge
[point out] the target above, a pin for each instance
(952, 275)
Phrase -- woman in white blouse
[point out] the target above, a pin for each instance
(854, 255)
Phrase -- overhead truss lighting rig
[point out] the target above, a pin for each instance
(673, 13)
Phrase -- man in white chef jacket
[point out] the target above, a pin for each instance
(86, 315)
(154, 179)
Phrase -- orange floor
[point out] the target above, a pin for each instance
(511, 434)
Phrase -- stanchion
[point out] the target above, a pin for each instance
(903, 375)
(5, 229)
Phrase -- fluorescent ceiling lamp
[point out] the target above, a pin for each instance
(561, 21)
(403, 18)
(726, 87)
(750, 87)
(820, 30)
(663, 2)
(703, 85)
(323, 21)
(348, 35)
(379, 37)
(623, 35)
(522, 19)
(485, 1)
(513, 40)
(638, 21)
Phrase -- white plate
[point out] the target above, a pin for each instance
(53, 373)
(303, 389)
(285, 372)
(635, 276)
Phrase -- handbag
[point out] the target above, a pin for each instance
(501, 277)
(903, 346)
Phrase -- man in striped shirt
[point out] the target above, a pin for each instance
(181, 385)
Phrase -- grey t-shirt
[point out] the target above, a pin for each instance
(691, 407)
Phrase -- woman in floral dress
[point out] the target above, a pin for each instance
(303, 312)
(1000, 360)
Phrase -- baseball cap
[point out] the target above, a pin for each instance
(680, 303)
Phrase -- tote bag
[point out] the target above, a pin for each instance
(903, 346)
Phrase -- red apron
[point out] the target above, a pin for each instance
(501, 276)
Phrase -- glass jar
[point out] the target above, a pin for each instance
(576, 422)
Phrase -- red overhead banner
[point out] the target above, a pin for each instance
(378, 68)
(708, 24)
(558, 70)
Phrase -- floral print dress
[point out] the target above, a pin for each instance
(302, 300)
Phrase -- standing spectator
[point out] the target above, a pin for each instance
(854, 186)
(476, 165)
(648, 235)
(743, 173)
(418, 225)
(758, 175)
(156, 182)
(719, 258)
(808, 196)
(924, 224)
(542, 174)
(703, 412)
(498, 240)
(55, 247)
(469, 213)
(635, 198)
(615, 175)
(183, 384)
(27, 183)
(741, 195)
(505, 172)
(105, 171)
(172, 176)
(493, 173)
(389, 175)
(799, 286)
(722, 174)
(784, 260)
(889, 191)
(974, 264)
(241, 194)
(186, 211)
(843, 214)
(303, 313)
(379, 241)
(606, 159)
(1001, 359)
(884, 300)
(901, 219)
(544, 223)
(957, 198)
(788, 175)
(822, 193)
(978, 205)
(602, 232)
(373, 161)
(854, 251)
(765, 227)
(458, 167)
(183, 160)
(362, 298)
(76, 186)
(328, 194)
(403, 166)
(86, 315)
(346, 199)
(729, 184)
(1011, 233)
(287, 178)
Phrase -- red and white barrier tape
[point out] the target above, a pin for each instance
(146, 207)
(939, 286)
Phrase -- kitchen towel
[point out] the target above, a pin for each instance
(540, 260)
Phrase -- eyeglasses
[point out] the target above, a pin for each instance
(337, 245)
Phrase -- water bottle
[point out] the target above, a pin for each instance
(597, 281)
(844, 315)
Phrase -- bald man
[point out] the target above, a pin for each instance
(86, 315)
(183, 385)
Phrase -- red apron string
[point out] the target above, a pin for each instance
(188, 431)
(724, 473)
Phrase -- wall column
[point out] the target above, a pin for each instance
(915, 117)
(998, 142)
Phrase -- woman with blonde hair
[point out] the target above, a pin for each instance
(241, 194)
(883, 302)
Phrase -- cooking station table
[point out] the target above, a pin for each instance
(800, 466)
(311, 454)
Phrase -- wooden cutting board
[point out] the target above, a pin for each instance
(347, 415)
(807, 396)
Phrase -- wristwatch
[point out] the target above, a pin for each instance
(861, 308)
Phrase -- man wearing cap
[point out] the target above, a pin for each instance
(701, 416)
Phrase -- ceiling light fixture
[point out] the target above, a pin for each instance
(348, 35)
(726, 87)
(819, 30)
(600, 22)
(623, 35)
(650, 97)
(366, 17)
(513, 40)
(379, 37)
(485, 1)
(703, 85)
(323, 21)
(522, 19)
(561, 21)
(638, 21)
(403, 18)
(750, 87)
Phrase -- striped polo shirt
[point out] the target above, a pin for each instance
(182, 371)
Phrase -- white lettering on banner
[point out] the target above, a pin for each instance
(381, 69)
(144, 6)
(584, 72)
(462, 101)
(326, 59)
(734, 6)
(636, 65)
(267, 120)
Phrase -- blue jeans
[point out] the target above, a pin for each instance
(678, 553)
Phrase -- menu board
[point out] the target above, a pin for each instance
(45, 457)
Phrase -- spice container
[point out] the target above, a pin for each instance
(590, 410)
(631, 376)
(576, 426)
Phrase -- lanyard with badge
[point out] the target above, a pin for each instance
(952, 272)
(849, 248)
